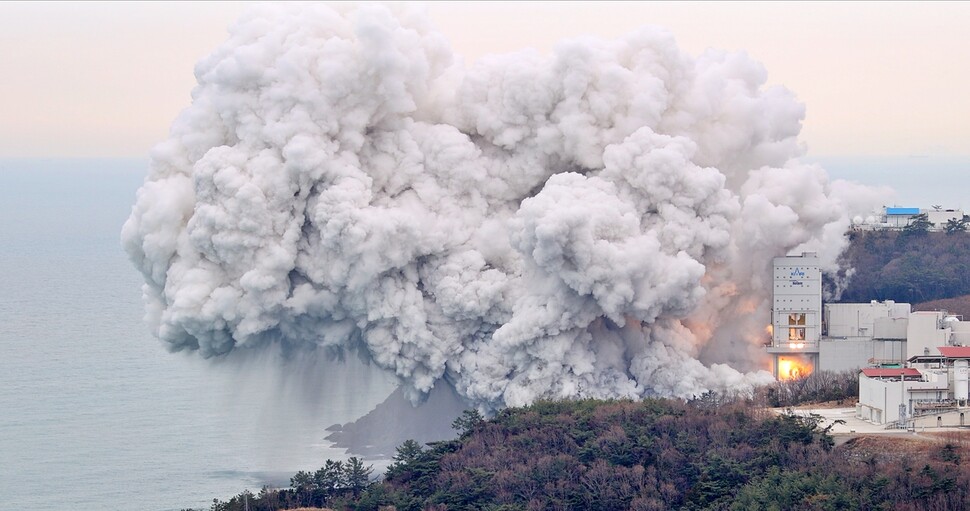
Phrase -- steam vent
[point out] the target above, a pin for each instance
(796, 315)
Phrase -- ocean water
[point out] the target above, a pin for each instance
(94, 413)
(918, 181)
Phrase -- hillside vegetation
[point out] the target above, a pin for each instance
(959, 305)
(910, 266)
(647, 455)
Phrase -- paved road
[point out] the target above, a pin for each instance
(854, 427)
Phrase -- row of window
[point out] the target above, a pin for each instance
(796, 334)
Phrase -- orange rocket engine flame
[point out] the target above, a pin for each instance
(792, 368)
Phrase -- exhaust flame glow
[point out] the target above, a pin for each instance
(794, 368)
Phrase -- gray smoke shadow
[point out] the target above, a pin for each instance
(377, 434)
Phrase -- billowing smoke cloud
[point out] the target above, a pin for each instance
(599, 222)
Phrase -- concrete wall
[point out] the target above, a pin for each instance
(844, 354)
(890, 328)
(879, 400)
(924, 333)
(857, 319)
(889, 350)
(948, 419)
(856, 353)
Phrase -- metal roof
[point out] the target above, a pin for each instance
(955, 351)
(902, 211)
(886, 372)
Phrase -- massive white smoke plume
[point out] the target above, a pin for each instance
(596, 223)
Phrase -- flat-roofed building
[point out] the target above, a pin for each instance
(796, 314)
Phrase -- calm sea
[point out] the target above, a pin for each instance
(94, 413)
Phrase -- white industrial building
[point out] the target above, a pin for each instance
(860, 335)
(933, 394)
(838, 337)
(915, 366)
(929, 330)
(939, 217)
(882, 391)
(896, 218)
(932, 388)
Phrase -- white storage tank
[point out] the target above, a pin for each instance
(961, 379)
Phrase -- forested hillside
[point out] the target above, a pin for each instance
(648, 455)
(910, 266)
(959, 305)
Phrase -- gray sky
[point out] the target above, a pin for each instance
(878, 79)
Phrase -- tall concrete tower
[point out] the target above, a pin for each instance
(796, 315)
